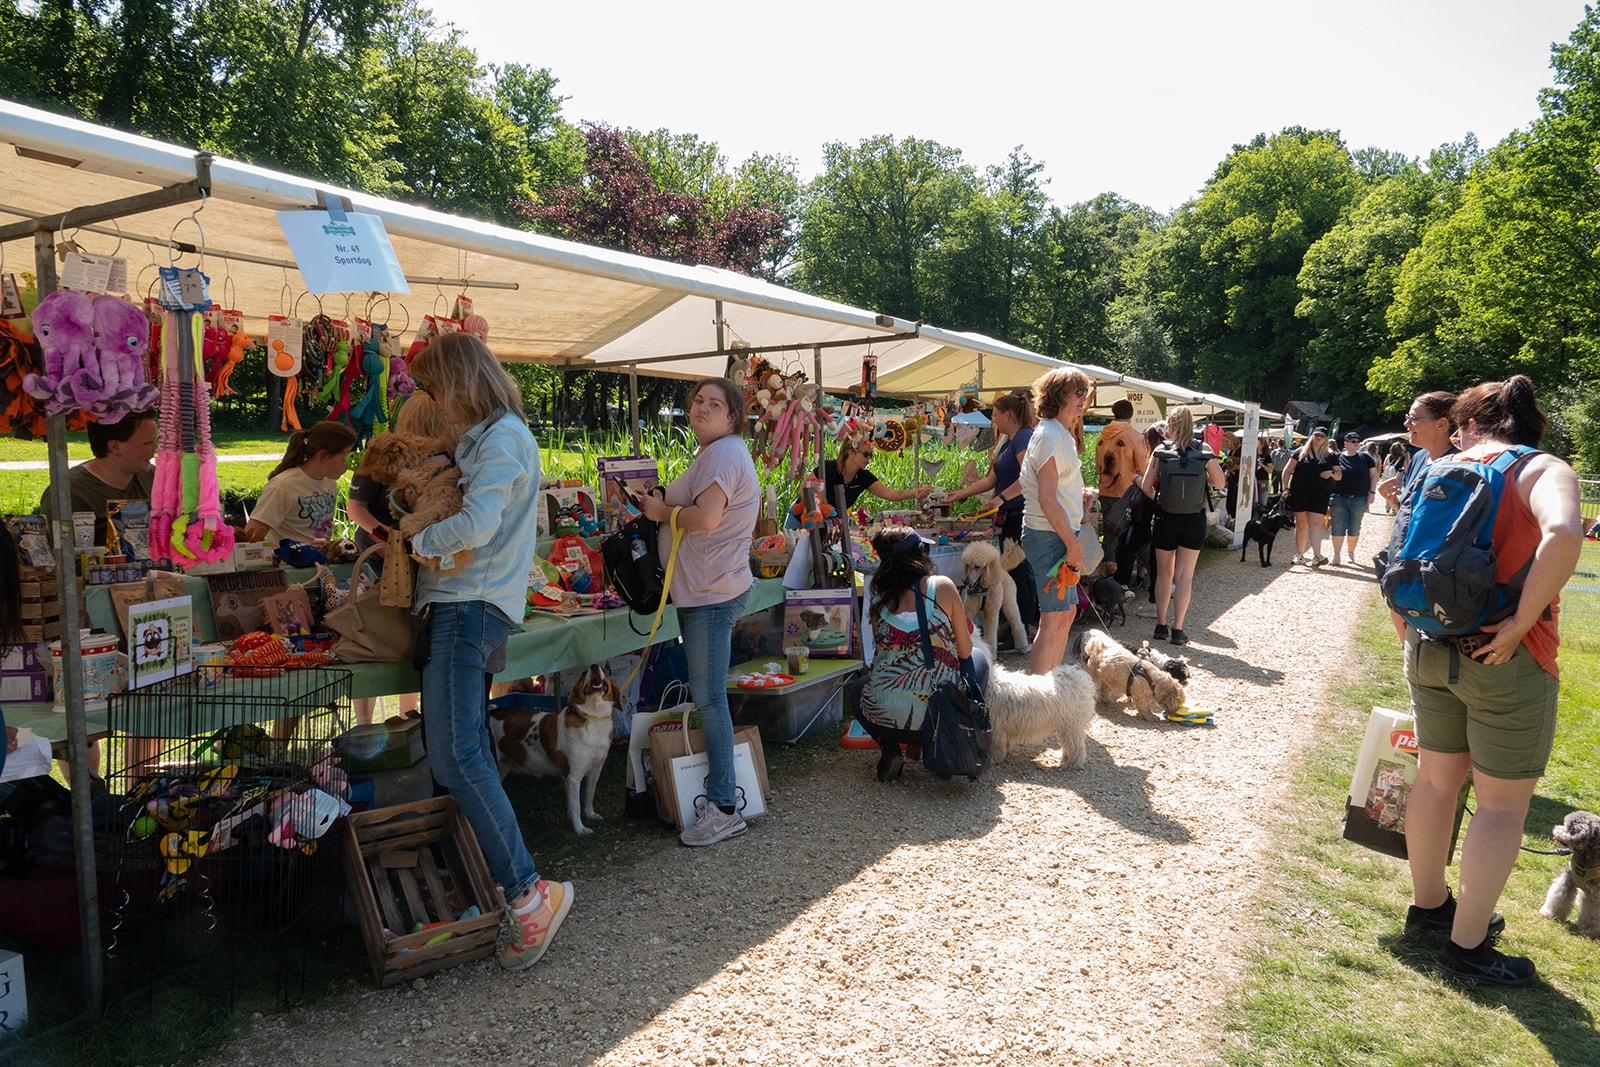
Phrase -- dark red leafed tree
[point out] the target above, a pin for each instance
(617, 204)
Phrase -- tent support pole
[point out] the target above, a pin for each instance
(822, 438)
(94, 993)
(633, 407)
(722, 341)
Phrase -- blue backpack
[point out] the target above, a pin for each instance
(1438, 572)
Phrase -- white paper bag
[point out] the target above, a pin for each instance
(1386, 769)
(690, 774)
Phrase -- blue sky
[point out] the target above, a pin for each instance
(1142, 98)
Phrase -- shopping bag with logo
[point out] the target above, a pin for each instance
(679, 761)
(1380, 788)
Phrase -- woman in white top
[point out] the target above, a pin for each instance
(1052, 486)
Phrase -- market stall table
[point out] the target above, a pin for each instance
(544, 644)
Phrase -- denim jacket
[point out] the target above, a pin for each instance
(499, 464)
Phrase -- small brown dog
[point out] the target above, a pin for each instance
(424, 483)
(1580, 832)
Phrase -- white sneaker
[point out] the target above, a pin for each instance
(711, 826)
(1298, 561)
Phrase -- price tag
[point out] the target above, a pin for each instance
(184, 289)
(10, 297)
(284, 340)
(89, 273)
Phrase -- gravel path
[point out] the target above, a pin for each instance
(1039, 916)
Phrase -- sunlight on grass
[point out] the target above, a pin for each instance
(1333, 981)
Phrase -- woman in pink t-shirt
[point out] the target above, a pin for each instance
(720, 499)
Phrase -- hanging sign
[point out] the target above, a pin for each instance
(1245, 501)
(342, 254)
(1146, 411)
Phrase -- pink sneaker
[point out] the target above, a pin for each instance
(531, 933)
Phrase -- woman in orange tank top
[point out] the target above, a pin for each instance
(1496, 714)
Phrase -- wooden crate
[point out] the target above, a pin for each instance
(41, 611)
(46, 631)
(419, 863)
(38, 590)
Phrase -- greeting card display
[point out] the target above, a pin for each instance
(160, 640)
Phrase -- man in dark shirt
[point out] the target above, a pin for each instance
(120, 469)
(1353, 493)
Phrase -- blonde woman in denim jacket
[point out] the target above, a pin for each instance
(471, 608)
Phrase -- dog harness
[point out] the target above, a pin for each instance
(1140, 669)
(1584, 876)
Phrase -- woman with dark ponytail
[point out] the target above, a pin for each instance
(301, 495)
(1486, 702)
(893, 701)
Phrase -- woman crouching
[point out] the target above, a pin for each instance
(894, 700)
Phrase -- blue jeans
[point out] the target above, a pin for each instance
(1345, 513)
(708, 645)
(455, 702)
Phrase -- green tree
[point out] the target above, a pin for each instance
(871, 218)
(1078, 275)
(1227, 288)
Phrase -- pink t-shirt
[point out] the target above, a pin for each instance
(714, 565)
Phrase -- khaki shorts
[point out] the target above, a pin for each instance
(1504, 715)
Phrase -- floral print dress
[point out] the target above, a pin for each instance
(900, 682)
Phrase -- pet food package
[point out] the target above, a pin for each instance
(623, 479)
(32, 535)
(1386, 769)
(820, 619)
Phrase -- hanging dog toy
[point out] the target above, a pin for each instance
(185, 504)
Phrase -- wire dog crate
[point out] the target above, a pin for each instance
(216, 842)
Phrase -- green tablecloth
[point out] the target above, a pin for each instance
(543, 644)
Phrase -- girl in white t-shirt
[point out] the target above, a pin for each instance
(301, 497)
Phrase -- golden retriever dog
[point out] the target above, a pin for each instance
(987, 588)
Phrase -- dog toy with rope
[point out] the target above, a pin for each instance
(185, 504)
(1188, 716)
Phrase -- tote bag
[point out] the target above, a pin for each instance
(369, 631)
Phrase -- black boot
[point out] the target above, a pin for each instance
(891, 762)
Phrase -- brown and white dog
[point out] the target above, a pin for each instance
(570, 744)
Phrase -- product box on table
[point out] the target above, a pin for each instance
(378, 747)
(24, 687)
(24, 657)
(13, 992)
(417, 867)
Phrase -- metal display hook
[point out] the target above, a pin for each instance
(194, 217)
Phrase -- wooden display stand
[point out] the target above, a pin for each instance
(419, 863)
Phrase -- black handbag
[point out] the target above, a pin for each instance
(1125, 512)
(956, 730)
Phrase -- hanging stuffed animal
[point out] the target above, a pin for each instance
(121, 337)
(64, 324)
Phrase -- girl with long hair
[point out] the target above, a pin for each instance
(1310, 475)
(719, 498)
(300, 497)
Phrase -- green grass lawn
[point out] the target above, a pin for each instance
(1333, 980)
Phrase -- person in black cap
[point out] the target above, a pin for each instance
(1310, 474)
(1352, 495)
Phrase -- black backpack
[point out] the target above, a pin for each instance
(1181, 481)
(634, 564)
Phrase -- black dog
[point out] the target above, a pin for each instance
(1106, 597)
(1264, 530)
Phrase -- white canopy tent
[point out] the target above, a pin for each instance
(546, 300)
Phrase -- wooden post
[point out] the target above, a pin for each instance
(633, 407)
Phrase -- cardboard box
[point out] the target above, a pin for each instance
(248, 555)
(13, 992)
(23, 658)
(419, 864)
(24, 687)
(375, 747)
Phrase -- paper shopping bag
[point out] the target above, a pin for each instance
(690, 774)
(1380, 788)
(671, 742)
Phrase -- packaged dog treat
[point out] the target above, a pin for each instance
(1386, 769)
